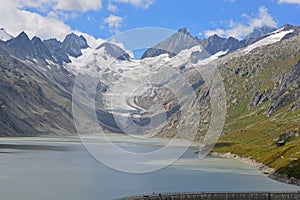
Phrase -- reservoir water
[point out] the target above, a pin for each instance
(61, 168)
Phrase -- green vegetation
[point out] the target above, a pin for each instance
(252, 132)
(292, 169)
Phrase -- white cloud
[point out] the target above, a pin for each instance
(17, 20)
(62, 15)
(112, 8)
(219, 32)
(66, 5)
(40, 4)
(239, 30)
(289, 1)
(137, 3)
(114, 22)
(78, 5)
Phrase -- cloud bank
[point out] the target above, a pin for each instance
(18, 19)
(79, 5)
(67, 5)
(239, 30)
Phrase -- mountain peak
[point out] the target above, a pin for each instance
(260, 32)
(73, 44)
(72, 36)
(184, 31)
(173, 45)
(288, 27)
(23, 36)
(215, 44)
(21, 46)
(35, 38)
(114, 51)
(214, 36)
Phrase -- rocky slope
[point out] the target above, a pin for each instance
(35, 90)
(262, 84)
(263, 105)
(36, 87)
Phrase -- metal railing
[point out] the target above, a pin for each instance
(284, 195)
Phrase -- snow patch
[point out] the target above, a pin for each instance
(212, 58)
(51, 63)
(273, 38)
(277, 31)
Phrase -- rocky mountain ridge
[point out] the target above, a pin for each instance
(55, 55)
(213, 44)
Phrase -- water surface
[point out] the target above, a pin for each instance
(60, 168)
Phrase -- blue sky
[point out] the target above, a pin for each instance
(104, 18)
(196, 15)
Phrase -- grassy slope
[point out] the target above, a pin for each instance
(251, 133)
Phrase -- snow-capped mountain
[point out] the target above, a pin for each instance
(4, 36)
(270, 38)
(122, 77)
(173, 45)
(51, 67)
(182, 88)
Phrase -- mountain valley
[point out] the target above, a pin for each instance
(261, 77)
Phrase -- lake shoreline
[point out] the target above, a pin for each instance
(260, 166)
(272, 174)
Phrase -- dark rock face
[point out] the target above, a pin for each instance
(114, 51)
(24, 48)
(286, 136)
(257, 99)
(21, 46)
(40, 50)
(57, 52)
(291, 27)
(216, 44)
(287, 90)
(33, 101)
(73, 44)
(284, 178)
